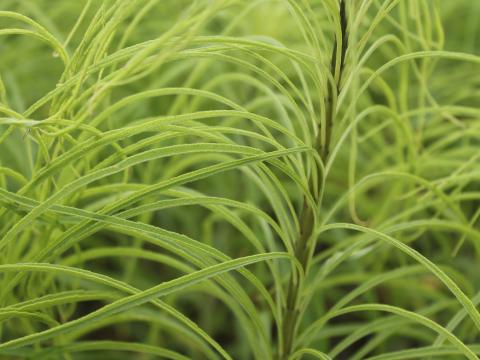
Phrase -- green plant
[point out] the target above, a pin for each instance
(239, 179)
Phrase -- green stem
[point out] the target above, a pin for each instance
(334, 89)
(290, 318)
(307, 216)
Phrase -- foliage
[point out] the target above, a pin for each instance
(231, 179)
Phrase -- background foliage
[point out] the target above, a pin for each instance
(239, 179)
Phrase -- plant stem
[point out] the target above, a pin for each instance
(334, 89)
(307, 216)
(290, 318)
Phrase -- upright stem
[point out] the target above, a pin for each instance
(307, 215)
(291, 313)
(334, 89)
